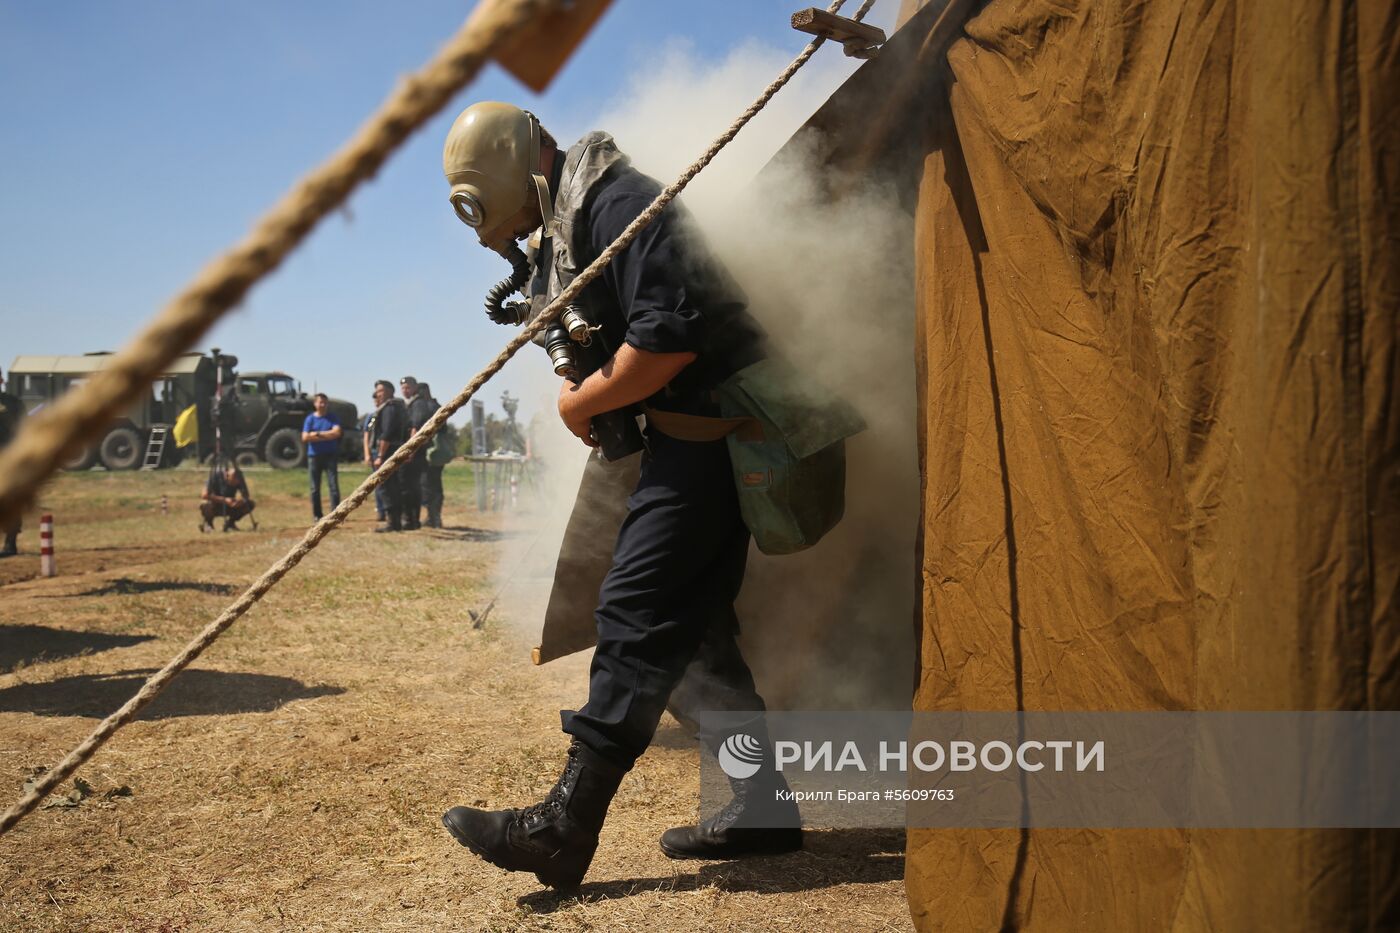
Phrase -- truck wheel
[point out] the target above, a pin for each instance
(284, 449)
(246, 458)
(84, 459)
(122, 449)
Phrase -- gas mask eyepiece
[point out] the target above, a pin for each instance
(467, 206)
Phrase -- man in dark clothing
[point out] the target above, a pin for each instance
(419, 411)
(440, 454)
(321, 433)
(676, 326)
(225, 495)
(390, 431)
(11, 414)
(367, 440)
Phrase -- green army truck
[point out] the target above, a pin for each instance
(259, 414)
(269, 410)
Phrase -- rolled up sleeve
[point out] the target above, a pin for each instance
(649, 277)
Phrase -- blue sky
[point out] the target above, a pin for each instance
(141, 138)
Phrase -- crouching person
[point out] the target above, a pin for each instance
(225, 496)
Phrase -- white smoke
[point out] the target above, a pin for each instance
(672, 110)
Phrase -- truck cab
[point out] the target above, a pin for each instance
(270, 409)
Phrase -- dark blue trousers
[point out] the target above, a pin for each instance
(329, 464)
(411, 489)
(665, 616)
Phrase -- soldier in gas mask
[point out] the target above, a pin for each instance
(673, 326)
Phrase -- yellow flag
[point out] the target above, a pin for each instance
(187, 428)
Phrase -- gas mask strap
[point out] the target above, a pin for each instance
(546, 203)
(541, 186)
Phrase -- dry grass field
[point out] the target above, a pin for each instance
(294, 777)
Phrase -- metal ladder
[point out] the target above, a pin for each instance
(155, 447)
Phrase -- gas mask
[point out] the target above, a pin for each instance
(492, 161)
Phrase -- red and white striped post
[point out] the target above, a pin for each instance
(46, 567)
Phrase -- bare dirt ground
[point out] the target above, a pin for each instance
(294, 778)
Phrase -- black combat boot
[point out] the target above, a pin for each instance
(756, 821)
(555, 838)
(11, 547)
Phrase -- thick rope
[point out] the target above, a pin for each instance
(148, 692)
(79, 416)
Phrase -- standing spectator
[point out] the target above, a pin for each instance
(366, 438)
(419, 411)
(11, 414)
(440, 454)
(321, 433)
(390, 431)
(225, 494)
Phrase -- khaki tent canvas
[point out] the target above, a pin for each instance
(1157, 253)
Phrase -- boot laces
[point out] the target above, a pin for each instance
(729, 814)
(552, 806)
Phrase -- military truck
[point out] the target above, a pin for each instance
(268, 411)
(259, 415)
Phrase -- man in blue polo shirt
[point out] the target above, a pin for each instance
(321, 434)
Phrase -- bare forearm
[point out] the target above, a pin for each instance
(629, 377)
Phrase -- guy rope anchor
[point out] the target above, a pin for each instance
(38, 451)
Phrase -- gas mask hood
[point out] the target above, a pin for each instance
(491, 159)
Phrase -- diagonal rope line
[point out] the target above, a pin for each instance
(336, 517)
